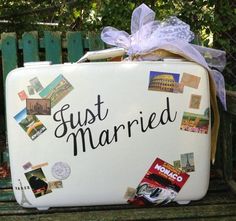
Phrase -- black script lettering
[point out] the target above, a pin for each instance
(61, 130)
(116, 129)
(104, 138)
(79, 131)
(151, 119)
(141, 121)
(89, 118)
(167, 113)
(82, 136)
(99, 102)
(129, 126)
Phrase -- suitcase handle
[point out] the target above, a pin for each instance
(102, 54)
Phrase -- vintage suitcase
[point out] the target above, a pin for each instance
(104, 133)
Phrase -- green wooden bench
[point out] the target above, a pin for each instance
(220, 201)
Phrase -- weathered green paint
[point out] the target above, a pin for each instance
(74, 46)
(95, 42)
(9, 62)
(5, 183)
(6, 195)
(30, 46)
(9, 53)
(52, 43)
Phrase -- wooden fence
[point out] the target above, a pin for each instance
(51, 47)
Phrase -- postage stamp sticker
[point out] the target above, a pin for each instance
(22, 95)
(36, 84)
(190, 80)
(195, 101)
(61, 170)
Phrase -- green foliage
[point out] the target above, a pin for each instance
(212, 21)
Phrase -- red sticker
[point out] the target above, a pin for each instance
(160, 185)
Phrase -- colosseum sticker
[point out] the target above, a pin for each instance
(160, 185)
(165, 81)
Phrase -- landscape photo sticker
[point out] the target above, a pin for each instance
(198, 123)
(30, 124)
(56, 90)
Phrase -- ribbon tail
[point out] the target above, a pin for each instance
(216, 123)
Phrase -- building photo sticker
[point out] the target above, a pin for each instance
(164, 81)
(38, 106)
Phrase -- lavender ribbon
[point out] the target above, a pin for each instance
(148, 35)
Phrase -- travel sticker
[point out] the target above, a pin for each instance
(27, 165)
(38, 182)
(38, 106)
(130, 193)
(39, 165)
(187, 162)
(195, 101)
(56, 90)
(195, 123)
(177, 164)
(61, 170)
(30, 124)
(178, 88)
(24, 199)
(55, 184)
(190, 80)
(22, 95)
(36, 84)
(30, 90)
(160, 185)
(163, 81)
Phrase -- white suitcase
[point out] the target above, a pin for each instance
(93, 133)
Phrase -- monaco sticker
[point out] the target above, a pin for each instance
(160, 185)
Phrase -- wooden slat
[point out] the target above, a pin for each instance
(194, 212)
(6, 195)
(5, 183)
(9, 53)
(52, 43)
(231, 102)
(95, 42)
(9, 62)
(30, 46)
(74, 46)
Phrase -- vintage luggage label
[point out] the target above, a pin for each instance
(38, 182)
(38, 106)
(56, 90)
(190, 80)
(30, 124)
(164, 81)
(187, 162)
(195, 101)
(22, 95)
(197, 123)
(160, 185)
(36, 84)
(30, 90)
